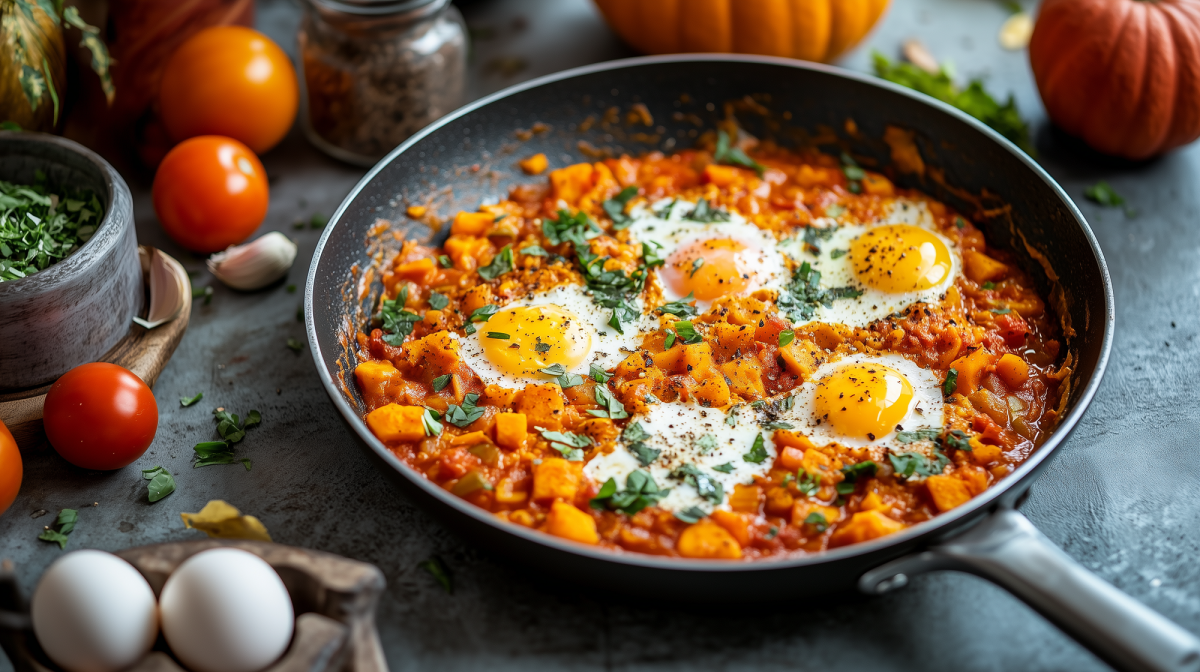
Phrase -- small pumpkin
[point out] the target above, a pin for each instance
(813, 30)
(1123, 75)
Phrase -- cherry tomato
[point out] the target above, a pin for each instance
(100, 416)
(232, 81)
(210, 192)
(10, 469)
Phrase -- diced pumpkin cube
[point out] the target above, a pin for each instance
(975, 478)
(803, 508)
(1012, 370)
(732, 341)
(375, 376)
(477, 297)
(971, 369)
(802, 358)
(435, 320)
(571, 182)
(745, 498)
(472, 223)
(791, 458)
(632, 366)
(821, 466)
(435, 353)
(745, 378)
(877, 185)
(505, 494)
(779, 501)
(542, 405)
(712, 391)
(556, 478)
(669, 360)
(871, 502)
(419, 271)
(465, 251)
(397, 424)
(568, 522)
(495, 395)
(864, 526)
(947, 492)
(985, 453)
(829, 336)
(534, 165)
(982, 268)
(742, 310)
(707, 539)
(469, 439)
(787, 437)
(722, 176)
(695, 359)
(599, 429)
(511, 430)
(737, 524)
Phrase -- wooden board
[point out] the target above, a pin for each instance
(143, 351)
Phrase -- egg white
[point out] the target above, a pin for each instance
(873, 304)
(665, 225)
(608, 347)
(926, 410)
(674, 429)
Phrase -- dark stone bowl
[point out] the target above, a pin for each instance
(76, 310)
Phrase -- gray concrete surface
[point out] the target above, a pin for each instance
(1122, 497)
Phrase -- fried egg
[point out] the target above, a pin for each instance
(561, 326)
(895, 262)
(688, 434)
(708, 259)
(865, 400)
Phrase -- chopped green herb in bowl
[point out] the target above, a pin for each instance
(41, 225)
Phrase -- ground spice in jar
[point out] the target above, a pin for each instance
(377, 72)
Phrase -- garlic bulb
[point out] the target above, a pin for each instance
(256, 264)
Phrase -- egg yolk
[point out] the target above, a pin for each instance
(900, 258)
(713, 268)
(524, 339)
(864, 401)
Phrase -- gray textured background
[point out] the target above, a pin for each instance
(1122, 496)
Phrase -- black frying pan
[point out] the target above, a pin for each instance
(987, 536)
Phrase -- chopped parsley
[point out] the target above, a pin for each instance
(635, 437)
(445, 261)
(758, 451)
(650, 256)
(907, 464)
(706, 444)
(571, 445)
(777, 424)
(686, 332)
(837, 254)
(188, 401)
(706, 486)
(951, 383)
(294, 345)
(733, 155)
(395, 319)
(726, 468)
(564, 379)
(534, 251)
(854, 174)
(610, 406)
(957, 439)
(989, 285)
(680, 308)
(732, 418)
(801, 298)
(691, 515)
(498, 335)
(615, 208)
(813, 236)
(500, 264)
(697, 264)
(576, 229)
(438, 301)
(441, 382)
(65, 522)
(232, 429)
(40, 225)
(1103, 194)
(479, 315)
(161, 483)
(440, 572)
(918, 435)
(853, 472)
(807, 484)
(1002, 311)
(598, 374)
(706, 214)
(466, 413)
(640, 491)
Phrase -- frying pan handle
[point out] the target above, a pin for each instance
(1009, 551)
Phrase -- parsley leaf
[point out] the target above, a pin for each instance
(40, 225)
(644, 453)
(598, 374)
(813, 235)
(615, 208)
(680, 308)
(951, 383)
(635, 435)
(705, 213)
(188, 401)
(973, 100)
(957, 439)
(441, 382)
(65, 522)
(726, 468)
(161, 483)
(445, 261)
(576, 229)
(988, 285)
(610, 406)
(837, 254)
(438, 301)
(732, 418)
(498, 335)
(758, 451)
(786, 336)
(706, 444)
(1103, 194)
(500, 264)
(640, 491)
(294, 345)
(571, 445)
(687, 333)
(777, 424)
(733, 155)
(465, 414)
(394, 318)
(691, 515)
(808, 484)
(534, 251)
(706, 486)
(650, 256)
(918, 435)
(907, 464)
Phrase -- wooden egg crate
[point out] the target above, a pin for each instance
(334, 600)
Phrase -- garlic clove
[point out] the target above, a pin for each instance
(255, 264)
(169, 287)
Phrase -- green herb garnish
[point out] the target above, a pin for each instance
(571, 445)
(691, 515)
(615, 208)
(65, 522)
(957, 439)
(441, 382)
(918, 435)
(758, 451)
(907, 464)
(817, 520)
(801, 298)
(598, 374)
(706, 444)
(466, 413)
(440, 573)
(726, 468)
(498, 335)
(640, 491)
(610, 406)
(395, 319)
(431, 422)
(951, 383)
(1103, 194)
(534, 251)
(786, 336)
(445, 261)
(988, 285)
(161, 483)
(500, 264)
(733, 155)
(294, 345)
(40, 225)
(687, 333)
(837, 254)
(706, 486)
(705, 213)
(680, 308)
(290, 289)
(188, 401)
(438, 301)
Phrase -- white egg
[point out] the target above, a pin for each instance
(840, 268)
(226, 610)
(571, 328)
(708, 259)
(93, 612)
(688, 434)
(923, 410)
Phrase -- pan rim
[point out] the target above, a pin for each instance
(911, 534)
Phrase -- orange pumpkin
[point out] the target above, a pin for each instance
(1123, 75)
(813, 30)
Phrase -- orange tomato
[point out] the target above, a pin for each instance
(232, 81)
(10, 469)
(210, 192)
(100, 416)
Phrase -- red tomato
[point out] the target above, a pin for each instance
(10, 469)
(229, 80)
(209, 193)
(100, 416)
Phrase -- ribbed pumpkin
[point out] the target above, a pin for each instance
(813, 30)
(1123, 75)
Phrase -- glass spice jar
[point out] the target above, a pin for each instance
(376, 71)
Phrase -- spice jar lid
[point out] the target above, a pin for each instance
(380, 7)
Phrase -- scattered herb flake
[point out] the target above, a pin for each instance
(65, 523)
(817, 520)
(1103, 194)
(726, 468)
(951, 383)
(41, 225)
(786, 336)
(430, 422)
(441, 382)
(161, 483)
(466, 413)
(733, 155)
(691, 515)
(445, 261)
(598, 374)
(438, 301)
(295, 345)
(440, 572)
(610, 406)
(801, 298)
(758, 451)
(706, 444)
(188, 401)
(706, 486)
(615, 208)
(500, 264)
(681, 308)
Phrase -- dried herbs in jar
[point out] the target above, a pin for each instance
(377, 71)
